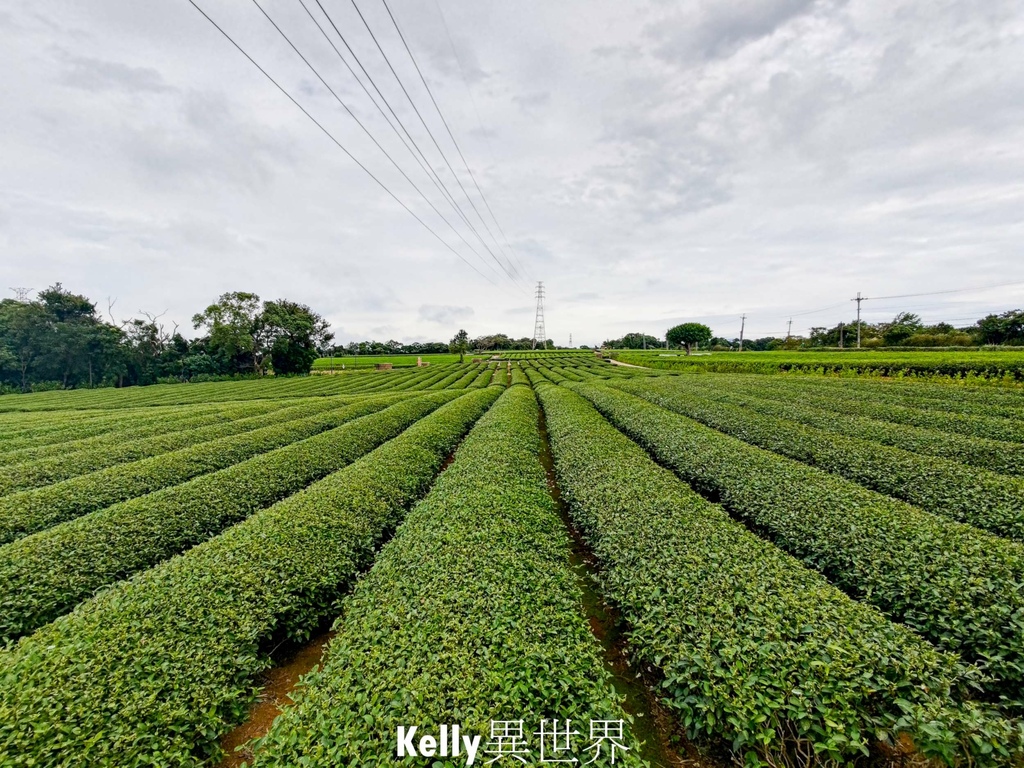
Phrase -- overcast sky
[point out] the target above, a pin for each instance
(650, 162)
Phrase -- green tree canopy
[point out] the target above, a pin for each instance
(1003, 328)
(902, 327)
(459, 343)
(295, 334)
(689, 334)
(634, 340)
(236, 327)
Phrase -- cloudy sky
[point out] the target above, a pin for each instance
(650, 162)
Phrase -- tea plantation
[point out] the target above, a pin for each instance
(531, 558)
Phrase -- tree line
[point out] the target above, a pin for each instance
(485, 343)
(59, 340)
(904, 330)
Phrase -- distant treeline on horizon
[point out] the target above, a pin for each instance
(904, 330)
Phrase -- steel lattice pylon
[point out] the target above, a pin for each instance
(539, 334)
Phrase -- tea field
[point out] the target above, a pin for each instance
(976, 366)
(531, 558)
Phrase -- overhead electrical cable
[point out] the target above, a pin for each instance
(369, 77)
(340, 146)
(954, 290)
(480, 122)
(426, 127)
(416, 153)
(813, 311)
(364, 128)
(447, 127)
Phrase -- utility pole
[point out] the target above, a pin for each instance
(539, 334)
(859, 299)
(743, 324)
(789, 329)
(840, 335)
(570, 339)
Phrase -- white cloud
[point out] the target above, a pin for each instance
(445, 315)
(648, 161)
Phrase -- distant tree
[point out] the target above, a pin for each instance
(460, 344)
(902, 327)
(688, 335)
(66, 306)
(74, 327)
(492, 342)
(236, 328)
(635, 340)
(1003, 328)
(26, 331)
(295, 334)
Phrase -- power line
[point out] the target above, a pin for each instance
(479, 122)
(417, 154)
(447, 128)
(434, 179)
(813, 311)
(426, 127)
(955, 290)
(361, 125)
(340, 146)
(426, 165)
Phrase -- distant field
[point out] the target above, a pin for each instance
(401, 361)
(368, 361)
(1007, 364)
(545, 353)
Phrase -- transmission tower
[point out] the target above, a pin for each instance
(539, 334)
(21, 294)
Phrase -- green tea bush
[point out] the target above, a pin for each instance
(154, 670)
(994, 455)
(119, 449)
(961, 588)
(970, 495)
(37, 509)
(46, 574)
(753, 646)
(471, 613)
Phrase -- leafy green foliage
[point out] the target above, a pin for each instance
(688, 335)
(1002, 328)
(72, 431)
(459, 344)
(34, 510)
(44, 575)
(995, 455)
(62, 461)
(978, 414)
(154, 670)
(635, 340)
(752, 645)
(518, 376)
(979, 365)
(295, 335)
(966, 494)
(980, 401)
(959, 587)
(471, 612)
